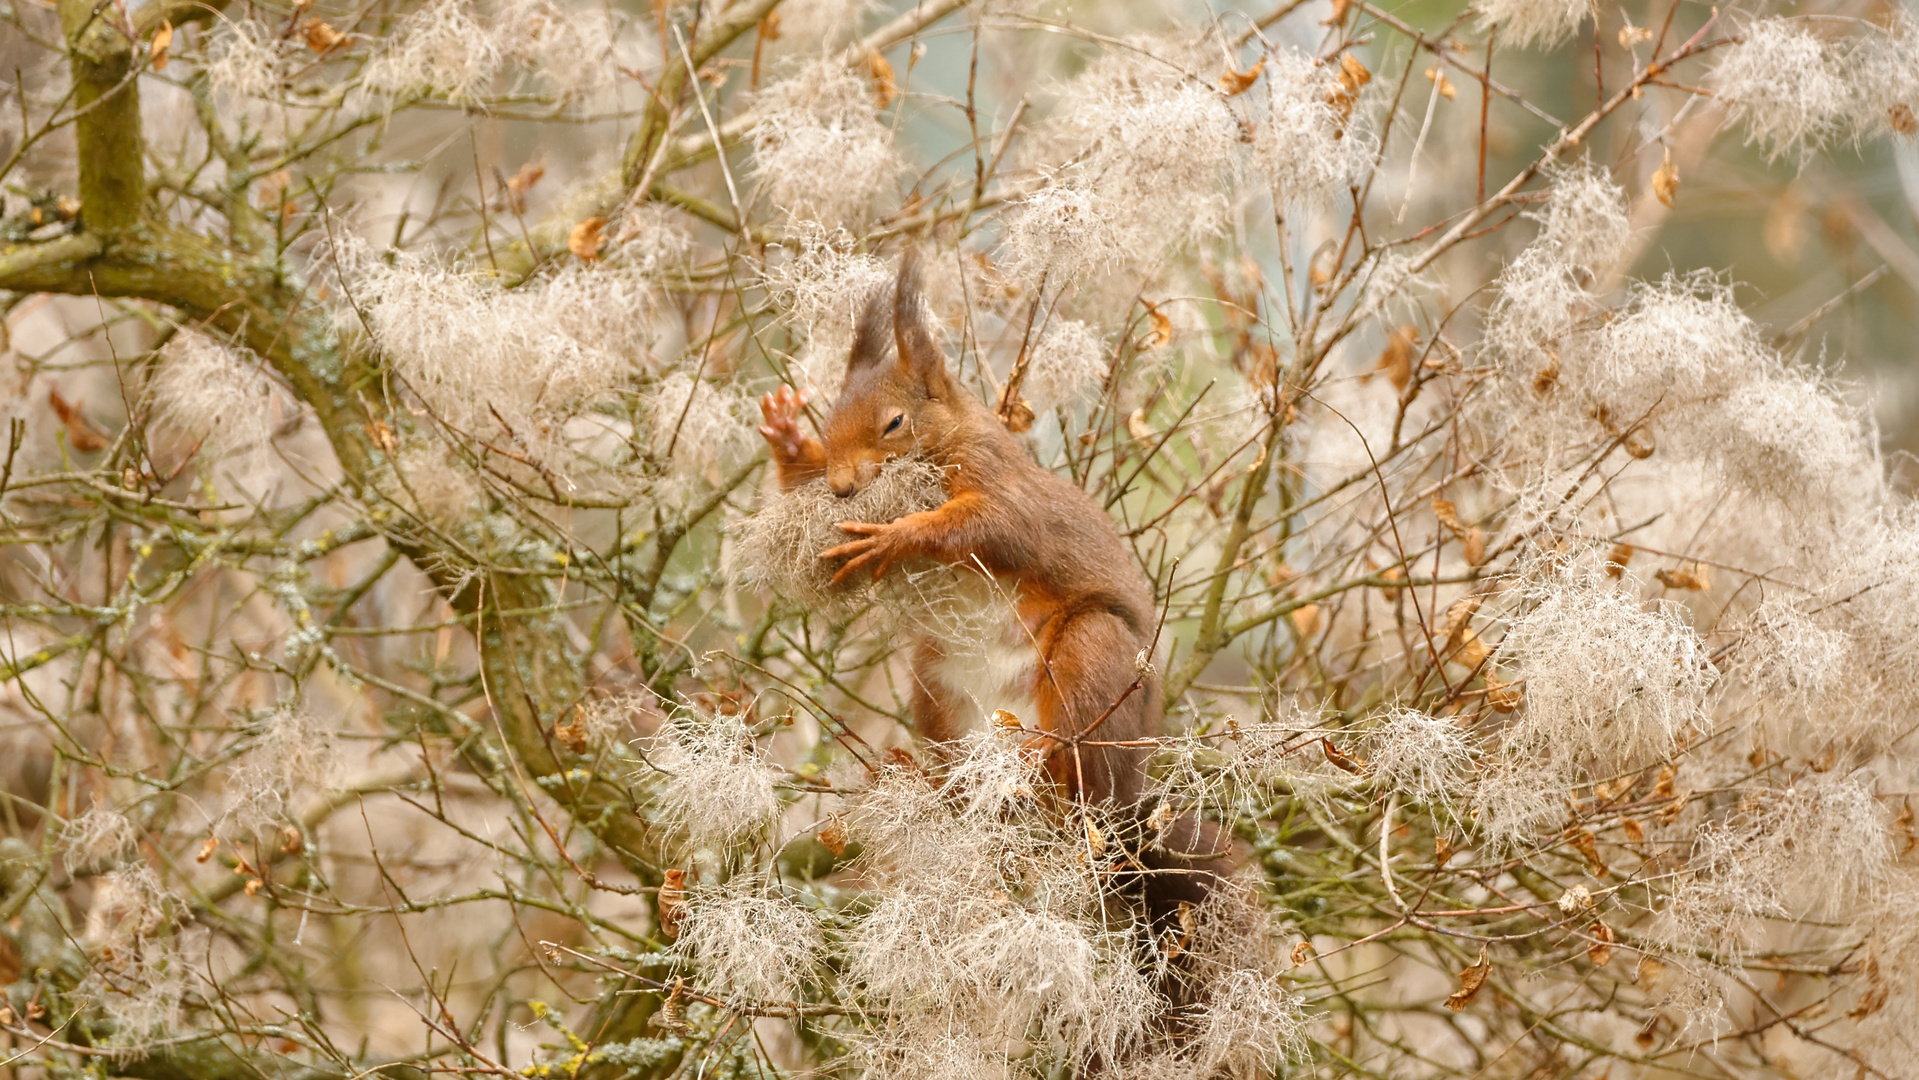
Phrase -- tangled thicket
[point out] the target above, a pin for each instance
(409, 669)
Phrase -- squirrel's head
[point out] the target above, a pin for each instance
(897, 398)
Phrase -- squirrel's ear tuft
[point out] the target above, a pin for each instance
(869, 336)
(920, 355)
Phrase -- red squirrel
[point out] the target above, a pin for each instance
(1079, 650)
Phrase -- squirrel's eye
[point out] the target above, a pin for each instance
(894, 424)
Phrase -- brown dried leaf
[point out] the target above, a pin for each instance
(1630, 35)
(1305, 618)
(1017, 415)
(207, 848)
(1396, 359)
(1302, 951)
(586, 238)
(1162, 333)
(1639, 443)
(1874, 997)
(1238, 82)
(1600, 951)
(1342, 760)
(1635, 832)
(1006, 720)
(254, 885)
(1901, 118)
(1505, 697)
(1095, 840)
(1138, 428)
(1697, 579)
(1617, 558)
(1648, 972)
(1438, 78)
(1176, 940)
(382, 435)
(82, 434)
(157, 48)
(1339, 13)
(1458, 617)
(1470, 980)
(1667, 783)
(320, 37)
(1448, 515)
(522, 182)
(1442, 850)
(1472, 652)
(884, 88)
(1547, 377)
(572, 736)
(1475, 547)
(672, 901)
(770, 26)
(1589, 847)
(1665, 182)
(832, 835)
(1670, 812)
(1352, 76)
(295, 843)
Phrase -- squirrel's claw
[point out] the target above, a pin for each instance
(781, 410)
(879, 545)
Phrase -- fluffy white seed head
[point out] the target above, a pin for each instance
(440, 50)
(294, 753)
(1250, 1023)
(1789, 436)
(137, 974)
(218, 397)
(477, 353)
(1679, 341)
(246, 58)
(1538, 300)
(1425, 758)
(1067, 364)
(1585, 217)
(1525, 23)
(98, 839)
(748, 946)
(819, 145)
(1787, 86)
(1813, 849)
(1157, 153)
(1309, 150)
(1515, 798)
(129, 904)
(717, 784)
(821, 285)
(1885, 66)
(573, 51)
(1787, 654)
(695, 424)
(1061, 233)
(1611, 683)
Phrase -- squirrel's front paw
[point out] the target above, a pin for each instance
(781, 410)
(879, 546)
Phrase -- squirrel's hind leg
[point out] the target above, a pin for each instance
(1085, 689)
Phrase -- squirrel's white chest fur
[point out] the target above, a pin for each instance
(992, 665)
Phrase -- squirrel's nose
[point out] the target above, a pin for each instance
(845, 490)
